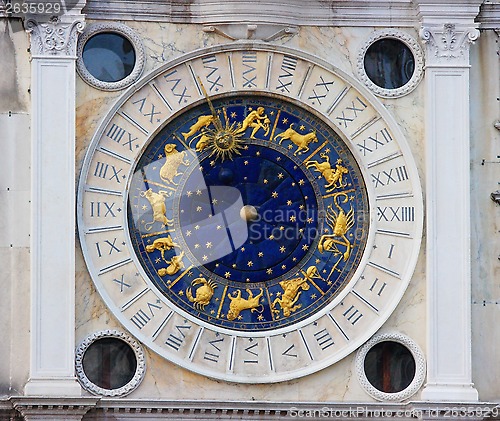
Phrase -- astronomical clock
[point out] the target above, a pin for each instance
(250, 213)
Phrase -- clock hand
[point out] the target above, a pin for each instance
(216, 121)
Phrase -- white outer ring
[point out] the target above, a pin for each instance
(416, 191)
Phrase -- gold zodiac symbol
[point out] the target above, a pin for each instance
(239, 304)
(202, 122)
(292, 290)
(175, 264)
(300, 140)
(173, 160)
(340, 223)
(202, 143)
(203, 294)
(163, 245)
(333, 177)
(257, 120)
(157, 202)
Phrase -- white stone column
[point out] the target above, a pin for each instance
(448, 212)
(52, 348)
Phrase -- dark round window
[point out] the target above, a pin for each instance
(109, 57)
(109, 363)
(389, 63)
(389, 367)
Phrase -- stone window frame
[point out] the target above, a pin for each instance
(420, 367)
(140, 370)
(414, 47)
(116, 28)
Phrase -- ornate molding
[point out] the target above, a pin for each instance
(44, 408)
(448, 44)
(56, 37)
(124, 390)
(420, 367)
(418, 55)
(244, 31)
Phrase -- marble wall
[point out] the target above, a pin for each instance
(485, 214)
(339, 46)
(14, 207)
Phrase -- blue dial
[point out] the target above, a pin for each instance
(249, 212)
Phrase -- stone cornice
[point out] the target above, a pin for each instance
(294, 12)
(57, 37)
(459, 12)
(147, 409)
(448, 44)
(52, 408)
(489, 16)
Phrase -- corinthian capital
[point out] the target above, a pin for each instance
(448, 44)
(57, 37)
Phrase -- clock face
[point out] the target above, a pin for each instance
(255, 233)
(264, 221)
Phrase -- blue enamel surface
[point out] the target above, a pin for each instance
(278, 244)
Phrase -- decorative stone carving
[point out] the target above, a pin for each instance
(418, 55)
(131, 385)
(261, 32)
(120, 29)
(449, 43)
(54, 38)
(420, 367)
(44, 408)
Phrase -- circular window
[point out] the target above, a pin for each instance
(390, 63)
(110, 56)
(390, 367)
(110, 363)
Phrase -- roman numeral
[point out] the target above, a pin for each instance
(324, 339)
(352, 315)
(372, 143)
(121, 282)
(143, 109)
(102, 209)
(285, 79)
(116, 133)
(390, 251)
(394, 175)
(351, 113)
(378, 289)
(141, 318)
(249, 73)
(212, 77)
(323, 89)
(399, 214)
(289, 352)
(178, 90)
(214, 353)
(110, 245)
(251, 351)
(176, 339)
(104, 170)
